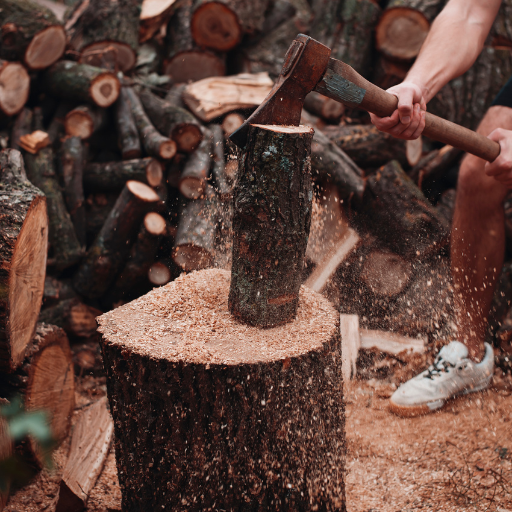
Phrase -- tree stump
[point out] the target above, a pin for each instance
(211, 414)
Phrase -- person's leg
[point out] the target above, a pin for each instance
(478, 240)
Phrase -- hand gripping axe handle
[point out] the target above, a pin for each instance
(308, 67)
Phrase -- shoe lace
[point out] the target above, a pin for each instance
(439, 366)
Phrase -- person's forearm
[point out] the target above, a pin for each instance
(454, 42)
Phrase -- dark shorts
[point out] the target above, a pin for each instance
(504, 97)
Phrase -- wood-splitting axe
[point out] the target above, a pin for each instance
(308, 67)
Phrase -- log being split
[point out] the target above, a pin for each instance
(30, 33)
(273, 190)
(81, 82)
(109, 251)
(94, 26)
(15, 87)
(45, 380)
(23, 247)
(219, 415)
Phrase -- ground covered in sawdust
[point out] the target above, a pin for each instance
(459, 459)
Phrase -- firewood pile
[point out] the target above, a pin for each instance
(122, 112)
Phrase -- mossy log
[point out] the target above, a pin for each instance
(127, 134)
(30, 33)
(109, 252)
(274, 188)
(23, 248)
(93, 26)
(219, 415)
(64, 245)
(81, 82)
(15, 87)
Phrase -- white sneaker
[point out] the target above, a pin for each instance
(452, 374)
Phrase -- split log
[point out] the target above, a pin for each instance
(30, 33)
(174, 122)
(110, 250)
(185, 61)
(194, 244)
(331, 164)
(391, 343)
(220, 24)
(414, 150)
(403, 27)
(466, 99)
(127, 134)
(113, 176)
(208, 425)
(33, 142)
(64, 244)
(22, 126)
(232, 122)
(83, 121)
(213, 97)
(267, 264)
(71, 170)
(72, 315)
(350, 344)
(328, 109)
(223, 183)
(142, 255)
(154, 143)
(94, 26)
(15, 87)
(45, 381)
(90, 444)
(81, 82)
(197, 167)
(397, 212)
(366, 145)
(154, 14)
(23, 247)
(159, 274)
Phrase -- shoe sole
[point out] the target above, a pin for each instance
(411, 411)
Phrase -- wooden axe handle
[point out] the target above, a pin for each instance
(342, 83)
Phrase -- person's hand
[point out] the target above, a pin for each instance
(501, 168)
(408, 120)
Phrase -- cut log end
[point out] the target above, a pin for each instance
(142, 191)
(14, 87)
(232, 122)
(125, 57)
(159, 274)
(187, 137)
(155, 223)
(401, 32)
(46, 48)
(78, 123)
(194, 65)
(154, 173)
(28, 266)
(191, 257)
(192, 187)
(214, 25)
(167, 149)
(105, 89)
(277, 128)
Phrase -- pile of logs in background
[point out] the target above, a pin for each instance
(121, 111)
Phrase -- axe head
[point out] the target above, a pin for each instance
(304, 66)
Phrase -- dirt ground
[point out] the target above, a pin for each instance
(459, 459)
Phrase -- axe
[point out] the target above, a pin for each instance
(308, 67)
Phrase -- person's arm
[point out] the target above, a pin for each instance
(454, 42)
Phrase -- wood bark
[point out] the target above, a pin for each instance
(71, 169)
(97, 209)
(223, 182)
(64, 244)
(93, 26)
(23, 248)
(324, 107)
(397, 212)
(253, 426)
(21, 126)
(403, 27)
(366, 145)
(127, 134)
(83, 121)
(174, 122)
(90, 444)
(56, 127)
(154, 14)
(30, 33)
(6, 449)
(185, 61)
(196, 170)
(153, 142)
(112, 176)
(75, 317)
(81, 82)
(110, 250)
(272, 215)
(446, 205)
(56, 290)
(466, 99)
(220, 24)
(388, 73)
(194, 244)
(15, 87)
(46, 381)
